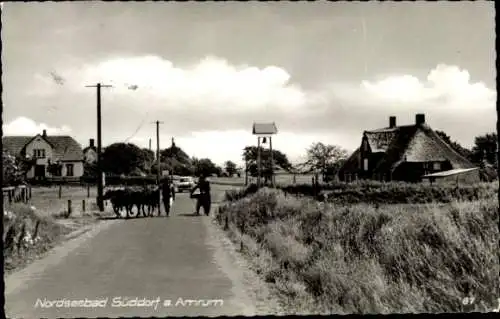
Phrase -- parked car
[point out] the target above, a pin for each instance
(185, 183)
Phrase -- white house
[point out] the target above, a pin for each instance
(46, 150)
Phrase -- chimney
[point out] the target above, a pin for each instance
(392, 121)
(419, 119)
(44, 133)
(91, 142)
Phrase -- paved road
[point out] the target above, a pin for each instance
(153, 258)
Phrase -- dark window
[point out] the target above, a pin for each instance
(39, 153)
(69, 169)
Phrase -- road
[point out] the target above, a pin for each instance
(157, 258)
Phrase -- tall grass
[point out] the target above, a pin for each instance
(329, 258)
(27, 235)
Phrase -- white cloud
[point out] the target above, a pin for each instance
(446, 87)
(28, 127)
(218, 102)
(211, 85)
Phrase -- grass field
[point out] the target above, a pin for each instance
(357, 258)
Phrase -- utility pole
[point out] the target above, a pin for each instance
(100, 179)
(158, 173)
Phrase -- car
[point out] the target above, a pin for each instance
(185, 183)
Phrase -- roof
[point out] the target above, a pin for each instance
(410, 143)
(264, 128)
(451, 172)
(65, 147)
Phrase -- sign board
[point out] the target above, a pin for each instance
(164, 173)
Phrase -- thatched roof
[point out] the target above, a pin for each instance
(410, 143)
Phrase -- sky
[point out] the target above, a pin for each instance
(322, 71)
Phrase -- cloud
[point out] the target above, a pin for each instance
(445, 87)
(220, 101)
(28, 127)
(211, 85)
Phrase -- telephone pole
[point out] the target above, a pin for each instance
(100, 179)
(158, 173)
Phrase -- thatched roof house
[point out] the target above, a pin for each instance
(404, 153)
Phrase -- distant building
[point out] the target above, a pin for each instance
(405, 153)
(90, 152)
(46, 150)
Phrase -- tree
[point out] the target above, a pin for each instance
(455, 145)
(485, 148)
(122, 158)
(11, 173)
(205, 166)
(149, 159)
(177, 160)
(250, 155)
(325, 159)
(230, 168)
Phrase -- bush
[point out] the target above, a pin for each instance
(364, 259)
(26, 235)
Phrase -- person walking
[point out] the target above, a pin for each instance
(204, 198)
(168, 195)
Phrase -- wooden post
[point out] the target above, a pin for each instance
(30, 192)
(88, 190)
(83, 205)
(258, 161)
(69, 208)
(10, 196)
(60, 190)
(272, 160)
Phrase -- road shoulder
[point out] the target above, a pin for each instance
(22, 278)
(249, 288)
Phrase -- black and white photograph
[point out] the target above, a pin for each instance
(178, 159)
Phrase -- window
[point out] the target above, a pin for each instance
(39, 153)
(437, 166)
(69, 169)
(365, 164)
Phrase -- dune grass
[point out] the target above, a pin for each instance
(329, 258)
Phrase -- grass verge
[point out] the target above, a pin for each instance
(324, 258)
(29, 235)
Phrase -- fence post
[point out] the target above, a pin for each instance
(30, 192)
(10, 196)
(60, 190)
(83, 205)
(69, 208)
(88, 190)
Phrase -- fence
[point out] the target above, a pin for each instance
(16, 194)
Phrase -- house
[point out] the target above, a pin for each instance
(90, 152)
(45, 150)
(404, 153)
